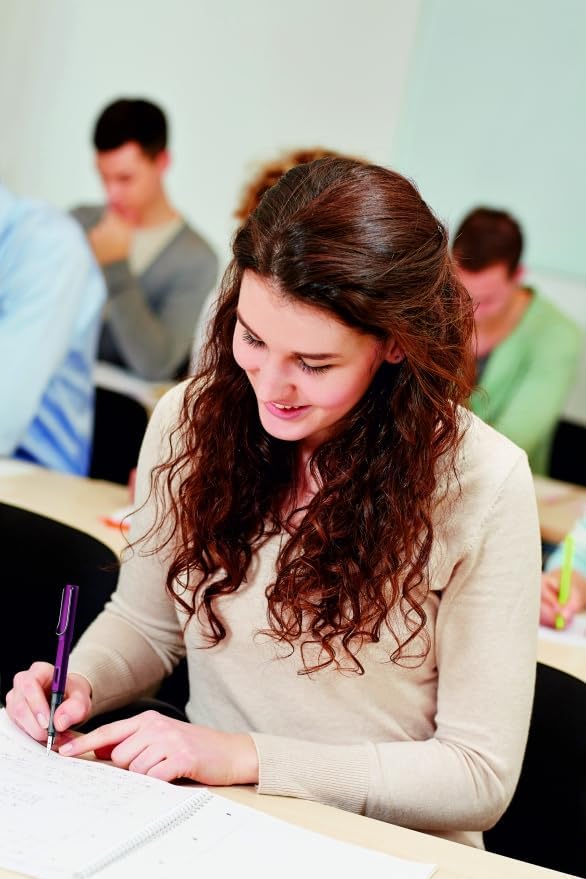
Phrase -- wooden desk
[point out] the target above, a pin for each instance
(453, 861)
(70, 499)
(81, 503)
(559, 505)
(570, 658)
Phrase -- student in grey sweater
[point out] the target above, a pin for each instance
(157, 269)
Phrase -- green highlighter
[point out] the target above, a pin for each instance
(565, 578)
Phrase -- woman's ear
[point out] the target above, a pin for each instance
(394, 352)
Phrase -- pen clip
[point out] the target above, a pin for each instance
(62, 626)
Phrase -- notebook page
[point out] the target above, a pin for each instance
(225, 839)
(60, 814)
(573, 634)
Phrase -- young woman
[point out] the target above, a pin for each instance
(349, 559)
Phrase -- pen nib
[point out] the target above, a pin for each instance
(50, 741)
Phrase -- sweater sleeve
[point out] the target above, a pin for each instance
(137, 639)
(535, 403)
(486, 642)
(155, 342)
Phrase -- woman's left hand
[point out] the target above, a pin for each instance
(160, 747)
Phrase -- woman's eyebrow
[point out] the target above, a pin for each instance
(304, 354)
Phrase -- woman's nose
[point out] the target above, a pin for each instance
(273, 382)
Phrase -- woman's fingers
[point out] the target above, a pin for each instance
(550, 606)
(160, 747)
(27, 703)
(166, 769)
(20, 713)
(149, 757)
(76, 706)
(108, 736)
(139, 743)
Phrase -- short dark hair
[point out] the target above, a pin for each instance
(131, 119)
(487, 237)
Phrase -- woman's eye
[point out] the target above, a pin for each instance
(256, 343)
(316, 370)
(250, 340)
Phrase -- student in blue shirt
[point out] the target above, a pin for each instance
(51, 298)
(550, 581)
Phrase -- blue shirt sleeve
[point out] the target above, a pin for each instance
(45, 269)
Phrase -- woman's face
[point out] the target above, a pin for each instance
(307, 369)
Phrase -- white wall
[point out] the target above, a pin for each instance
(491, 117)
(240, 81)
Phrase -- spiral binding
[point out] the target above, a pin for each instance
(152, 831)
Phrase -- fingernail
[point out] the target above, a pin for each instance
(65, 749)
(62, 722)
(42, 720)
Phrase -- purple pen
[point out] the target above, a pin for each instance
(65, 637)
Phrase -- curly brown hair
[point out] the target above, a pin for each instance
(357, 241)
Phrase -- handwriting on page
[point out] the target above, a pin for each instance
(64, 816)
(59, 813)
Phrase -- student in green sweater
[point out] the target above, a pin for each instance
(527, 351)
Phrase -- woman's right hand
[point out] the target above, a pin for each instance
(27, 704)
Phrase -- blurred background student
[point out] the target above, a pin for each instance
(550, 580)
(51, 299)
(158, 269)
(527, 350)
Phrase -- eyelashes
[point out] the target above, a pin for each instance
(250, 340)
(256, 343)
(316, 370)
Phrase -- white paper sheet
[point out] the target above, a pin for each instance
(62, 815)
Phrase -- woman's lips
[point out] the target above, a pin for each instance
(286, 414)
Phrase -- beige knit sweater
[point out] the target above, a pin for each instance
(436, 747)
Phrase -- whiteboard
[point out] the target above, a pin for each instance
(495, 114)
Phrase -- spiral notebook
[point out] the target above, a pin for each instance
(67, 818)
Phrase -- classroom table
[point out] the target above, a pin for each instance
(84, 503)
(454, 861)
(81, 503)
(559, 505)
